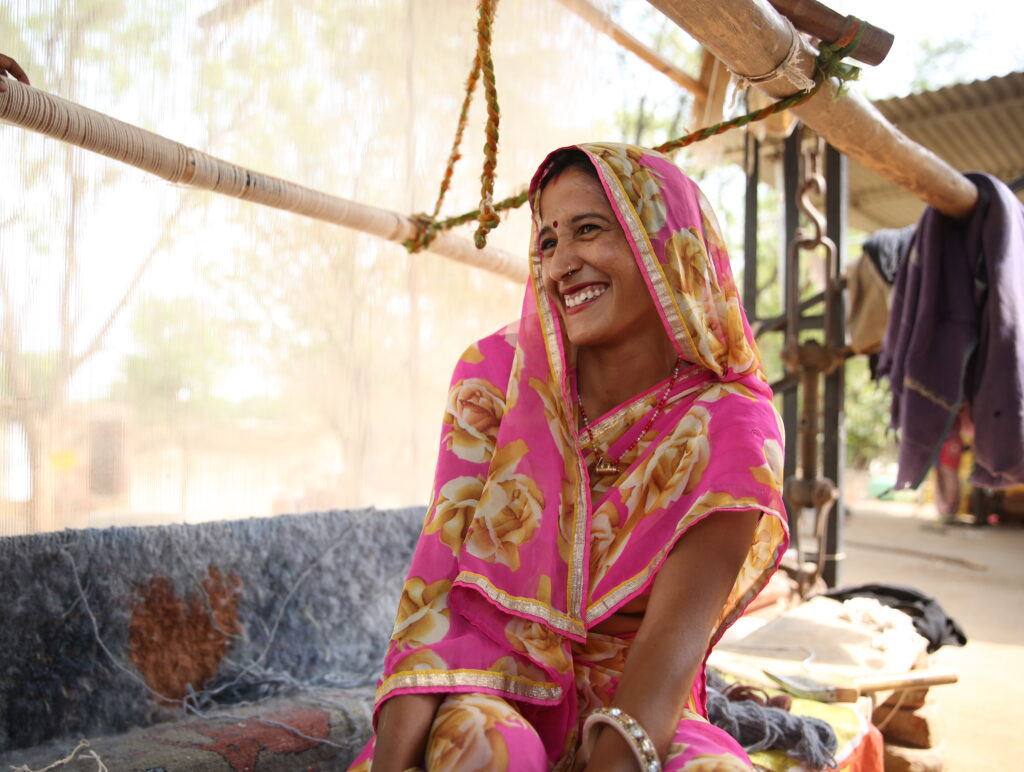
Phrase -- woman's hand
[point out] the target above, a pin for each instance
(686, 599)
(403, 727)
(9, 67)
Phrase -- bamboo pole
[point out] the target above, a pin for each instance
(39, 111)
(603, 23)
(822, 22)
(751, 38)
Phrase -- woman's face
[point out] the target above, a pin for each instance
(588, 267)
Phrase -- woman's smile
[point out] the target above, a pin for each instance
(579, 297)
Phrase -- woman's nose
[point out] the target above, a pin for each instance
(563, 262)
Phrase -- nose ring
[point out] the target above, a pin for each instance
(570, 272)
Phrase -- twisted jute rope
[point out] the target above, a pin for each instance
(828, 66)
(486, 214)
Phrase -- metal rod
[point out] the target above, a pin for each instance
(752, 167)
(834, 444)
(752, 38)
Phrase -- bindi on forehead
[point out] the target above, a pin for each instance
(556, 223)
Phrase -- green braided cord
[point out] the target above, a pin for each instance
(488, 218)
(828, 64)
(757, 115)
(830, 54)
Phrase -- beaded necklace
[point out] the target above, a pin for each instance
(606, 464)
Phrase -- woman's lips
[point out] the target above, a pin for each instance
(581, 297)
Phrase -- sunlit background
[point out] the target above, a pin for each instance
(169, 355)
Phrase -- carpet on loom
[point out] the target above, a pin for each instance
(112, 630)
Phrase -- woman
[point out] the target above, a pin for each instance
(607, 497)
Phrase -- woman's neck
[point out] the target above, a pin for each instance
(607, 376)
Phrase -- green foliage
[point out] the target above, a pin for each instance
(180, 350)
(937, 65)
(867, 416)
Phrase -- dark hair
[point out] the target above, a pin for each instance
(567, 158)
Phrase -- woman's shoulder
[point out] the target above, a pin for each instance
(490, 356)
(743, 406)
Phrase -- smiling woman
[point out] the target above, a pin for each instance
(572, 576)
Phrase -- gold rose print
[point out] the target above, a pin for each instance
(421, 659)
(474, 411)
(509, 512)
(422, 613)
(472, 355)
(717, 390)
(553, 410)
(515, 667)
(743, 357)
(606, 542)
(464, 733)
(687, 265)
(454, 509)
(641, 183)
(676, 465)
(539, 643)
(770, 472)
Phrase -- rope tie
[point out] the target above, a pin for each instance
(488, 218)
(828, 65)
(788, 68)
(427, 225)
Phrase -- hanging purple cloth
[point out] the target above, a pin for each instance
(956, 334)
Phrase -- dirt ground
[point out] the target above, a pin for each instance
(977, 574)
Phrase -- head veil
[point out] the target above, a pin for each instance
(504, 576)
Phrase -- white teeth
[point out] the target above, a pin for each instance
(571, 301)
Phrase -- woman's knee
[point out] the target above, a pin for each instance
(482, 732)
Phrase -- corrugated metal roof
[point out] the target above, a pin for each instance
(975, 126)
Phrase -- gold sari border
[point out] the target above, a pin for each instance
(653, 268)
(518, 605)
(515, 686)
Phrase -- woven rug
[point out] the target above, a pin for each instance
(107, 630)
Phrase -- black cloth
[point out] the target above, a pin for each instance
(930, 620)
(887, 247)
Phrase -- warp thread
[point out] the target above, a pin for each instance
(82, 744)
(762, 728)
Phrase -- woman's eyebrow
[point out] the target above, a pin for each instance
(588, 215)
(575, 219)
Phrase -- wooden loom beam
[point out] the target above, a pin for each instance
(52, 116)
(603, 23)
(752, 38)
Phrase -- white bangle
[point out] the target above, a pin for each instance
(635, 736)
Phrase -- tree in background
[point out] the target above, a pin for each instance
(45, 281)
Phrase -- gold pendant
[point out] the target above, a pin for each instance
(605, 465)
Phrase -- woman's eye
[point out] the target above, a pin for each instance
(547, 244)
(587, 228)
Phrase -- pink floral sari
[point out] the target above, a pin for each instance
(525, 547)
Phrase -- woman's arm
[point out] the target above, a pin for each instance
(402, 729)
(686, 599)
